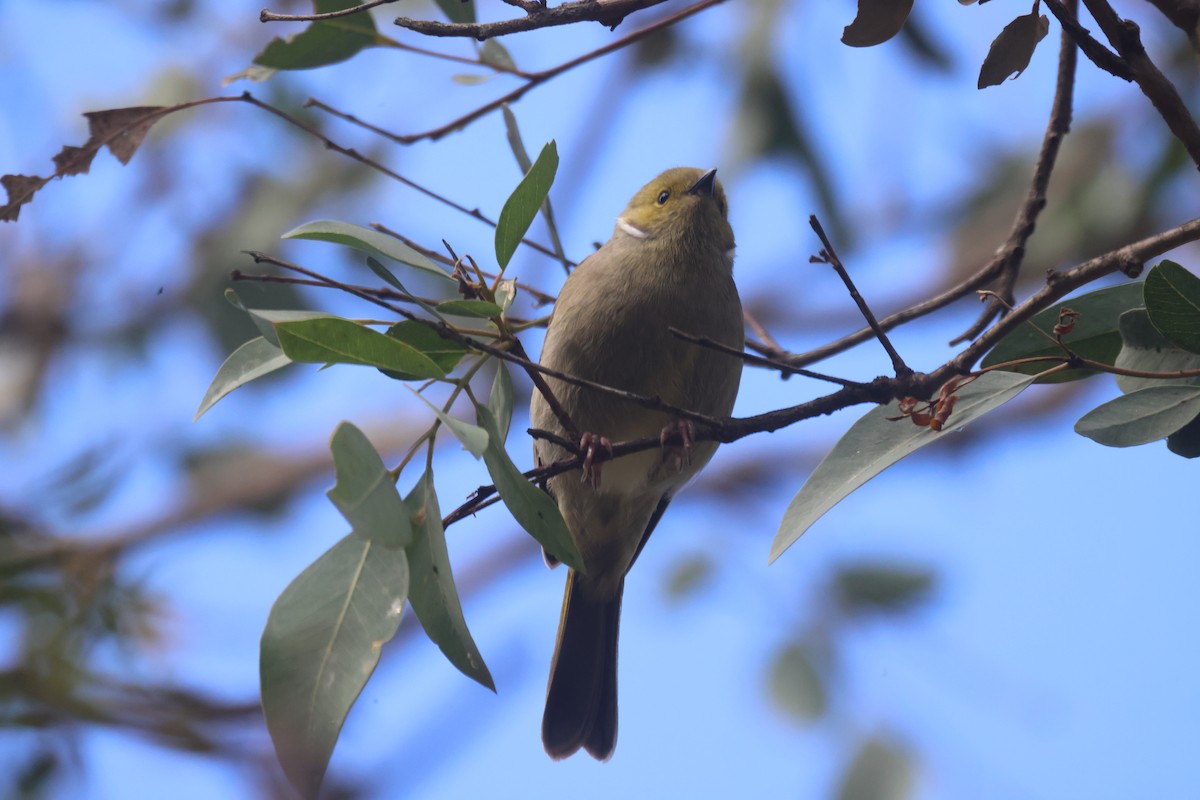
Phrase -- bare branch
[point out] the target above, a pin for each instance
(829, 256)
(1125, 36)
(1011, 255)
(607, 12)
(267, 15)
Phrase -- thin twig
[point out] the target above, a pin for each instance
(609, 12)
(532, 79)
(654, 403)
(267, 15)
(759, 361)
(829, 256)
(1012, 253)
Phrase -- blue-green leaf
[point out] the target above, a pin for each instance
(533, 509)
(368, 241)
(321, 644)
(254, 359)
(365, 491)
(432, 592)
(875, 442)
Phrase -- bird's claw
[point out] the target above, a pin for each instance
(682, 454)
(589, 443)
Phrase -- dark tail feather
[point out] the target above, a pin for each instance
(581, 700)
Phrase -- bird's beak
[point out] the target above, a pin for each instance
(705, 184)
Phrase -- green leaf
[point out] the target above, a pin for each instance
(432, 592)
(265, 318)
(1094, 337)
(480, 309)
(445, 353)
(333, 340)
(1140, 417)
(496, 55)
(506, 292)
(473, 438)
(471, 79)
(457, 10)
(689, 575)
(523, 204)
(532, 508)
(1173, 300)
(517, 145)
(1145, 349)
(874, 443)
(797, 685)
(876, 22)
(368, 241)
(879, 771)
(365, 491)
(254, 359)
(881, 587)
(323, 42)
(500, 400)
(1012, 50)
(321, 644)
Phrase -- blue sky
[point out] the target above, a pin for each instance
(1057, 656)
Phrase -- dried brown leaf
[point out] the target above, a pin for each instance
(122, 129)
(74, 160)
(20, 190)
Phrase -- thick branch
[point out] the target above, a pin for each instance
(1125, 36)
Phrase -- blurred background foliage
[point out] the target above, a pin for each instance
(112, 320)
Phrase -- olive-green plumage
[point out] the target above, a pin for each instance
(669, 264)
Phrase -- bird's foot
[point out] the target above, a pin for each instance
(681, 454)
(589, 443)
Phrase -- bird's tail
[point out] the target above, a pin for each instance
(581, 699)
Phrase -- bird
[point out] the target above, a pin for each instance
(668, 264)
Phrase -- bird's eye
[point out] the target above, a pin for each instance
(663, 195)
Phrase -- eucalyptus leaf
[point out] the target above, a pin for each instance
(445, 353)
(254, 359)
(365, 491)
(500, 400)
(1173, 301)
(533, 509)
(368, 241)
(323, 42)
(321, 644)
(875, 442)
(1095, 335)
(1141, 417)
(432, 591)
(473, 438)
(523, 204)
(481, 309)
(460, 11)
(1146, 350)
(333, 340)
(796, 683)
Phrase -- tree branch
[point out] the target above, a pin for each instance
(607, 12)
(1125, 36)
(1012, 253)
